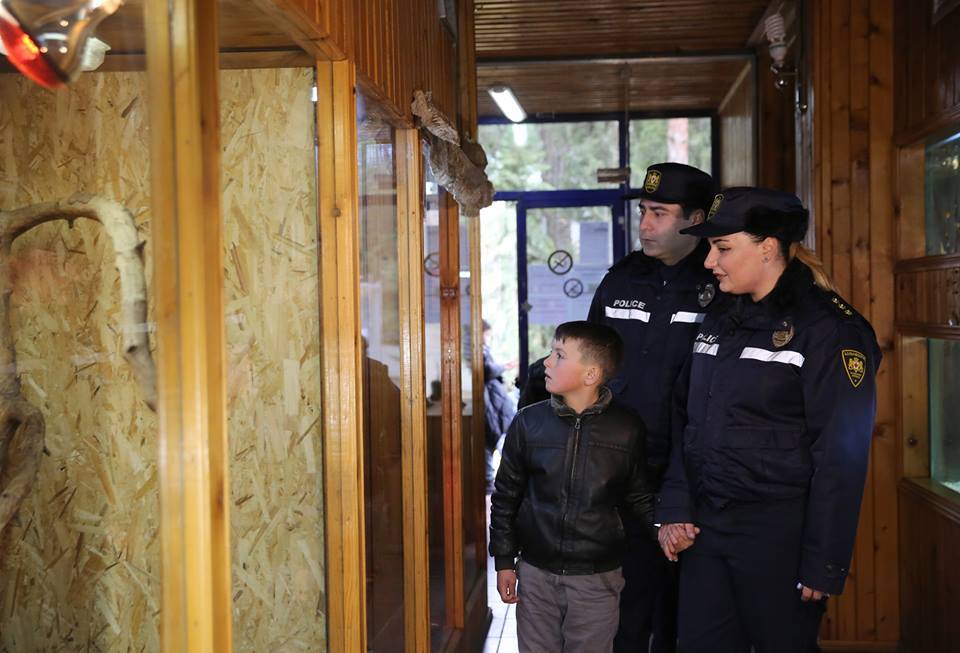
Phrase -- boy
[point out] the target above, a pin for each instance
(569, 465)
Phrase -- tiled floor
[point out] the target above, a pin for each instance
(502, 637)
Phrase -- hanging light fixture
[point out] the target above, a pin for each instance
(46, 39)
(507, 102)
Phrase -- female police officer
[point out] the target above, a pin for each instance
(771, 437)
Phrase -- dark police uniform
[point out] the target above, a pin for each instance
(770, 452)
(657, 310)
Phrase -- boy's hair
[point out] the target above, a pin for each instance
(599, 344)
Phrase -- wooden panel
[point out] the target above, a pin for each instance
(853, 204)
(399, 46)
(928, 73)
(914, 407)
(775, 130)
(930, 572)
(737, 114)
(592, 87)
(506, 28)
(930, 296)
(416, 586)
(341, 357)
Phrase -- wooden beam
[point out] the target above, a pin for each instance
(187, 225)
(705, 56)
(416, 542)
(340, 356)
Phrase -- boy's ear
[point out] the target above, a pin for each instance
(593, 375)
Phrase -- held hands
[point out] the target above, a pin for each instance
(507, 585)
(810, 594)
(675, 538)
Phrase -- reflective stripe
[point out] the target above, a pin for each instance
(688, 318)
(704, 348)
(627, 314)
(767, 356)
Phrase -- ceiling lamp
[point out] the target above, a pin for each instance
(46, 39)
(507, 102)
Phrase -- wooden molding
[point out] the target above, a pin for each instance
(942, 499)
(187, 225)
(416, 544)
(340, 357)
(928, 263)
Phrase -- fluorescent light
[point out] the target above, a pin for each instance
(507, 102)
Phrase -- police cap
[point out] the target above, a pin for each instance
(759, 211)
(677, 183)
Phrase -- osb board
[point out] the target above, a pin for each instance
(273, 340)
(81, 567)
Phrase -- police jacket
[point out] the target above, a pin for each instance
(563, 481)
(779, 404)
(657, 310)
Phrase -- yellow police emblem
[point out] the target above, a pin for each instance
(652, 182)
(715, 206)
(855, 365)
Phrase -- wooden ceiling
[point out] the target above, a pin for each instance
(567, 56)
(599, 87)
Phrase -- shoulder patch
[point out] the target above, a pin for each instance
(855, 365)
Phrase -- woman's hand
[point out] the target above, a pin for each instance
(675, 538)
(507, 585)
(810, 594)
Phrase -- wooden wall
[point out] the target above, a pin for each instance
(399, 46)
(776, 141)
(737, 113)
(853, 201)
(927, 71)
(930, 531)
(80, 565)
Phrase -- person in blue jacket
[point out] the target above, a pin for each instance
(655, 299)
(771, 437)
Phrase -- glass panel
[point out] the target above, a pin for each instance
(380, 333)
(433, 211)
(550, 156)
(80, 559)
(273, 345)
(498, 243)
(684, 140)
(944, 366)
(568, 252)
(942, 206)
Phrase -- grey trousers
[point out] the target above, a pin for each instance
(567, 614)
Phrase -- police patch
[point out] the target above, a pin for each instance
(715, 206)
(652, 182)
(783, 336)
(855, 365)
(706, 294)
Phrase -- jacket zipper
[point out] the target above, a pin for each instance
(573, 469)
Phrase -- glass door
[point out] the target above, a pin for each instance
(563, 253)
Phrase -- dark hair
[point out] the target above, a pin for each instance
(688, 209)
(598, 344)
(486, 325)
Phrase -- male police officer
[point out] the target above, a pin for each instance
(656, 299)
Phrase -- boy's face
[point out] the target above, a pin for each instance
(566, 370)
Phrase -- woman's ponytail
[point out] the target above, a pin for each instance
(808, 258)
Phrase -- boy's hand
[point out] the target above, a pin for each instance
(675, 538)
(507, 585)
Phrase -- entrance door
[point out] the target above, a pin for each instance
(564, 247)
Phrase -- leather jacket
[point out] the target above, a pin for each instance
(563, 483)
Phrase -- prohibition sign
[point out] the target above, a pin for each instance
(573, 288)
(431, 264)
(560, 262)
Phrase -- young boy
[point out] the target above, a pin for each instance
(570, 464)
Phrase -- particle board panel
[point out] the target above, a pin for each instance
(80, 567)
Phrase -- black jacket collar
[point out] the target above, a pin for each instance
(784, 300)
(692, 263)
(563, 410)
